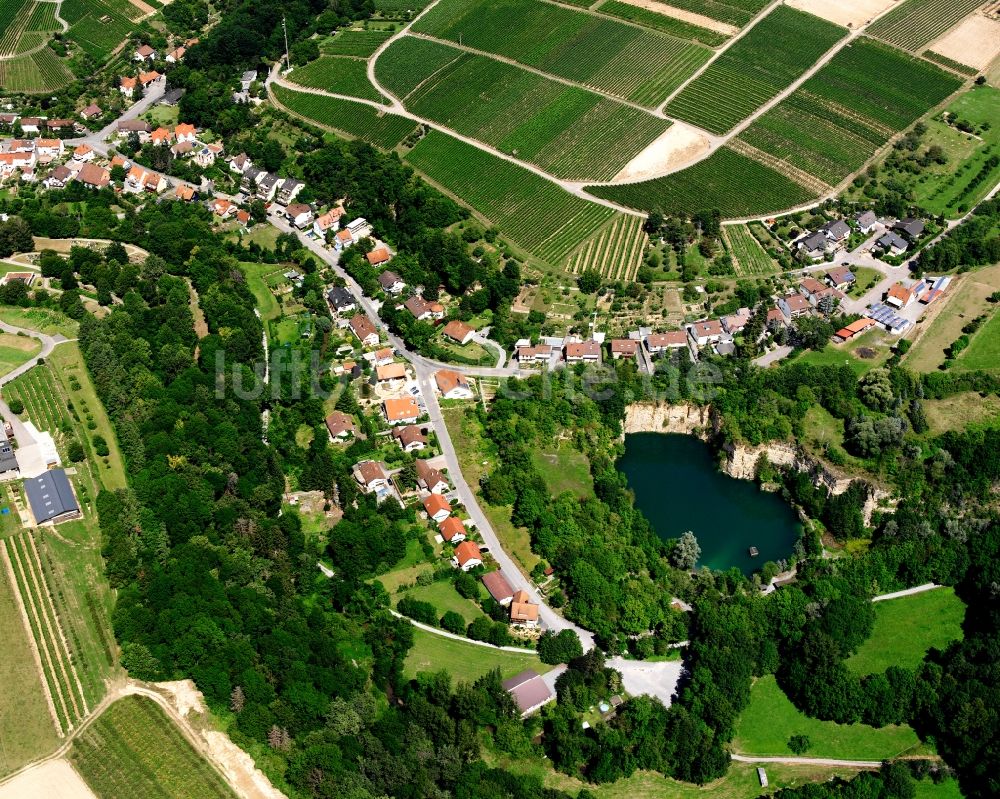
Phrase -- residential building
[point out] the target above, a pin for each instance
(290, 187)
(467, 556)
(300, 215)
(58, 177)
(813, 290)
(383, 356)
(403, 410)
(371, 476)
(379, 256)
(892, 243)
(708, 331)
(240, 163)
(160, 137)
(330, 221)
(127, 86)
(390, 372)
(429, 478)
(410, 438)
(661, 342)
(11, 162)
(243, 217)
(342, 240)
(734, 323)
(911, 228)
(866, 221)
(185, 132)
(140, 127)
(452, 385)
(31, 124)
(222, 207)
(529, 692)
(359, 228)
(841, 278)
(341, 300)
(341, 425)
(452, 529)
(814, 246)
(523, 612)
(459, 332)
(205, 156)
(83, 153)
(186, 193)
(836, 231)
(499, 587)
(8, 460)
(624, 348)
(267, 186)
(171, 98)
(92, 111)
(582, 352)
(144, 53)
(363, 328)
(437, 507)
(175, 55)
(390, 282)
(59, 124)
(93, 176)
(147, 79)
(794, 305)
(422, 310)
(900, 296)
(51, 497)
(540, 353)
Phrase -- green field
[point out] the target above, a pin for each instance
(15, 350)
(40, 319)
(733, 12)
(569, 132)
(536, 214)
(749, 257)
(770, 719)
(907, 627)
(564, 469)
(914, 23)
(338, 75)
(26, 727)
(356, 120)
(466, 662)
(41, 71)
(443, 596)
(775, 52)
(624, 60)
(662, 23)
(727, 180)
(133, 749)
(838, 118)
(984, 350)
(267, 303)
(359, 44)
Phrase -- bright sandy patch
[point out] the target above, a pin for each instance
(239, 768)
(184, 696)
(843, 12)
(678, 145)
(685, 16)
(975, 41)
(54, 779)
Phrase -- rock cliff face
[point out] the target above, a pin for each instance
(654, 418)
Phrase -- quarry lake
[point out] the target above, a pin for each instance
(679, 487)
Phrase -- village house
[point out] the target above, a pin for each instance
(147, 79)
(529, 692)
(171, 98)
(499, 587)
(836, 231)
(775, 319)
(267, 186)
(363, 328)
(8, 120)
(382, 357)
(371, 476)
(48, 148)
(206, 155)
(379, 256)
(330, 221)
(452, 385)
(182, 149)
(83, 153)
(31, 124)
(243, 217)
(523, 612)
(93, 177)
(662, 342)
(410, 438)
(841, 278)
(341, 300)
(794, 305)
(175, 55)
(299, 215)
(899, 296)
(92, 111)
(892, 243)
(240, 163)
(342, 240)
(59, 124)
(583, 352)
(452, 529)
(121, 161)
(390, 282)
(912, 229)
(539, 353)
(290, 188)
(708, 331)
(160, 137)
(429, 478)
(341, 426)
(403, 410)
(814, 291)
(624, 348)
(734, 323)
(359, 228)
(390, 372)
(185, 193)
(144, 53)
(459, 332)
(814, 246)
(866, 221)
(222, 207)
(58, 177)
(140, 127)
(467, 556)
(437, 507)
(422, 310)
(185, 132)
(126, 86)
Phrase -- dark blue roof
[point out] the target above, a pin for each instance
(50, 495)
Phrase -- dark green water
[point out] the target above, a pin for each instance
(679, 487)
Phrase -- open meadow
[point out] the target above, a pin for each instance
(464, 661)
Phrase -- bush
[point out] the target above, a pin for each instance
(101, 446)
(16, 406)
(453, 623)
(75, 451)
(560, 647)
(799, 743)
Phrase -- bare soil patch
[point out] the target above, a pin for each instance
(975, 42)
(145, 8)
(685, 16)
(679, 145)
(851, 13)
(53, 779)
(184, 696)
(248, 780)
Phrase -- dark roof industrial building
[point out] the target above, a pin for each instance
(51, 496)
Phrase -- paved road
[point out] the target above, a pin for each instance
(48, 344)
(919, 589)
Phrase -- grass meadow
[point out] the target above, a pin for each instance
(465, 662)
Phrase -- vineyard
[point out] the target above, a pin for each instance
(843, 114)
(134, 749)
(42, 71)
(734, 12)
(337, 74)
(914, 23)
(392, 8)
(615, 251)
(775, 52)
(356, 120)
(358, 44)
(625, 60)
(99, 26)
(949, 63)
(733, 183)
(31, 27)
(664, 24)
(534, 213)
(567, 131)
(749, 257)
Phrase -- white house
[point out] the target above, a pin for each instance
(452, 385)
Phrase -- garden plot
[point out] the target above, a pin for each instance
(975, 42)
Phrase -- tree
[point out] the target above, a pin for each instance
(561, 647)
(16, 406)
(589, 281)
(453, 623)
(686, 552)
(237, 699)
(876, 390)
(799, 744)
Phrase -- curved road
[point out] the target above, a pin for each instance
(48, 344)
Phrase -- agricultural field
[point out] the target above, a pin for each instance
(27, 27)
(984, 350)
(624, 60)
(664, 24)
(905, 628)
(770, 719)
(398, 8)
(749, 257)
(736, 185)
(844, 113)
(915, 23)
(464, 661)
(533, 212)
(338, 75)
(135, 749)
(569, 132)
(733, 12)
(41, 71)
(354, 43)
(616, 251)
(356, 120)
(99, 26)
(775, 52)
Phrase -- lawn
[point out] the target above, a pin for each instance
(907, 627)
(134, 749)
(407, 570)
(40, 319)
(564, 469)
(443, 596)
(864, 278)
(839, 355)
(464, 661)
(267, 303)
(962, 411)
(15, 350)
(770, 719)
(337, 75)
(26, 728)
